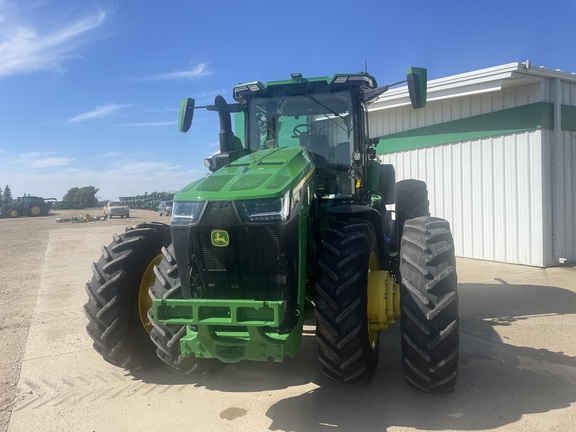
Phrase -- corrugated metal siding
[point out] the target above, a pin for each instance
(488, 190)
(561, 202)
(565, 221)
(391, 121)
(559, 181)
(509, 198)
(565, 185)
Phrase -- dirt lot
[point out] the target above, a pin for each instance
(23, 243)
(518, 356)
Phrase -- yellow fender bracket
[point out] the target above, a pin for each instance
(383, 300)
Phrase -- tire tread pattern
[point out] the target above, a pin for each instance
(112, 307)
(429, 305)
(166, 337)
(344, 349)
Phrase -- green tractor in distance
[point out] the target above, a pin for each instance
(291, 223)
(27, 206)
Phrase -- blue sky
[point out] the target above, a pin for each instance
(89, 90)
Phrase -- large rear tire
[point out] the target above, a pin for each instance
(166, 337)
(347, 350)
(115, 321)
(429, 305)
(411, 202)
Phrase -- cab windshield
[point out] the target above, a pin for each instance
(323, 123)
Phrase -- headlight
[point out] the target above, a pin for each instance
(186, 212)
(265, 210)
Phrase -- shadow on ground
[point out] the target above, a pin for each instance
(498, 383)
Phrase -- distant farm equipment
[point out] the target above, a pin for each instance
(27, 206)
(67, 205)
(149, 201)
(81, 219)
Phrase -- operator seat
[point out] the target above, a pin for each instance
(342, 155)
(318, 145)
(320, 150)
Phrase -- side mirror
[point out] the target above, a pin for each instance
(186, 114)
(417, 79)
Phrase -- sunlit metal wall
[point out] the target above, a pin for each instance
(509, 198)
(489, 190)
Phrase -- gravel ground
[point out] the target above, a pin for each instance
(517, 368)
(23, 244)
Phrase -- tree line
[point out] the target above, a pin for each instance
(86, 196)
(5, 195)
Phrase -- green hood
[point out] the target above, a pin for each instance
(263, 174)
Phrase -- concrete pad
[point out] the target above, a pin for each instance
(518, 366)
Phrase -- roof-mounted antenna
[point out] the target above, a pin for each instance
(366, 66)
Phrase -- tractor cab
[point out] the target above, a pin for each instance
(323, 115)
(327, 116)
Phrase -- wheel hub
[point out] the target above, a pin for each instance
(144, 300)
(383, 300)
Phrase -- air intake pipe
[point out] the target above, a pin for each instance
(228, 141)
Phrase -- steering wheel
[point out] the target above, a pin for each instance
(300, 129)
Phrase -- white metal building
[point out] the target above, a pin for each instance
(497, 148)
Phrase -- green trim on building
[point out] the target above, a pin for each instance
(539, 115)
(568, 117)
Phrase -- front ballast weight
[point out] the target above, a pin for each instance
(258, 340)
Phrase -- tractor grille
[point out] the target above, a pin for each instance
(251, 251)
(259, 262)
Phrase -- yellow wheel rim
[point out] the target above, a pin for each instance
(383, 300)
(35, 211)
(144, 300)
(373, 333)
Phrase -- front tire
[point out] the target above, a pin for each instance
(346, 349)
(429, 305)
(115, 323)
(166, 337)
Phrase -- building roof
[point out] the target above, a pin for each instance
(476, 82)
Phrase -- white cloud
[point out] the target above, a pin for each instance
(25, 47)
(118, 177)
(98, 112)
(51, 162)
(145, 124)
(143, 167)
(33, 155)
(163, 110)
(109, 155)
(198, 71)
(208, 97)
(39, 160)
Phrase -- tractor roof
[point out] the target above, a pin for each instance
(297, 84)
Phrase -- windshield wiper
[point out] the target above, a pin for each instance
(346, 121)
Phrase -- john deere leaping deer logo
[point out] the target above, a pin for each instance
(219, 238)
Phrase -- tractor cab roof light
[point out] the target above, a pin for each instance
(296, 76)
(341, 79)
(248, 88)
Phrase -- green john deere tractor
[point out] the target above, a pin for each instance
(291, 223)
(27, 206)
